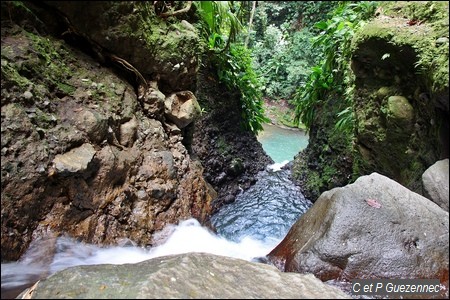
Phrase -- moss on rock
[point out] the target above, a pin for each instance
(400, 111)
(163, 48)
(400, 101)
(421, 25)
(401, 71)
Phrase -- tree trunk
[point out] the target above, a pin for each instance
(250, 22)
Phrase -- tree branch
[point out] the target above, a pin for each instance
(177, 12)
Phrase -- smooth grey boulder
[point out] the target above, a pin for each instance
(435, 181)
(373, 228)
(184, 276)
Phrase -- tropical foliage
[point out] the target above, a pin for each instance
(222, 21)
(281, 44)
(334, 39)
(236, 71)
(233, 60)
(294, 52)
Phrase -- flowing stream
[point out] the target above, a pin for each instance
(264, 212)
(248, 228)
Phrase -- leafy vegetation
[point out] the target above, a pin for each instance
(332, 73)
(287, 57)
(283, 52)
(222, 22)
(283, 62)
(232, 58)
(236, 71)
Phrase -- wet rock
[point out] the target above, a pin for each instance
(373, 228)
(227, 140)
(184, 276)
(236, 166)
(76, 100)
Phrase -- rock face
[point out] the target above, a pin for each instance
(132, 32)
(400, 103)
(373, 228)
(232, 157)
(184, 276)
(83, 151)
(401, 115)
(435, 183)
(98, 108)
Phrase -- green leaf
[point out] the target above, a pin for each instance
(386, 55)
(321, 25)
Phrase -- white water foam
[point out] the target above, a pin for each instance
(188, 236)
(277, 166)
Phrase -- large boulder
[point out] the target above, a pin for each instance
(435, 183)
(184, 276)
(373, 228)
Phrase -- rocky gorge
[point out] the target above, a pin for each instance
(114, 125)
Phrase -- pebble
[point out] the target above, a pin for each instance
(28, 95)
(442, 40)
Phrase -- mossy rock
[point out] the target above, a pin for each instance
(164, 48)
(419, 25)
(400, 63)
(400, 111)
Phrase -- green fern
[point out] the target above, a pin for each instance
(233, 61)
(346, 120)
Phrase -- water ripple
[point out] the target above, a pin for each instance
(266, 210)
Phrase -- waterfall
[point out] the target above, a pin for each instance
(248, 228)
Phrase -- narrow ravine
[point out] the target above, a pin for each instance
(138, 133)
